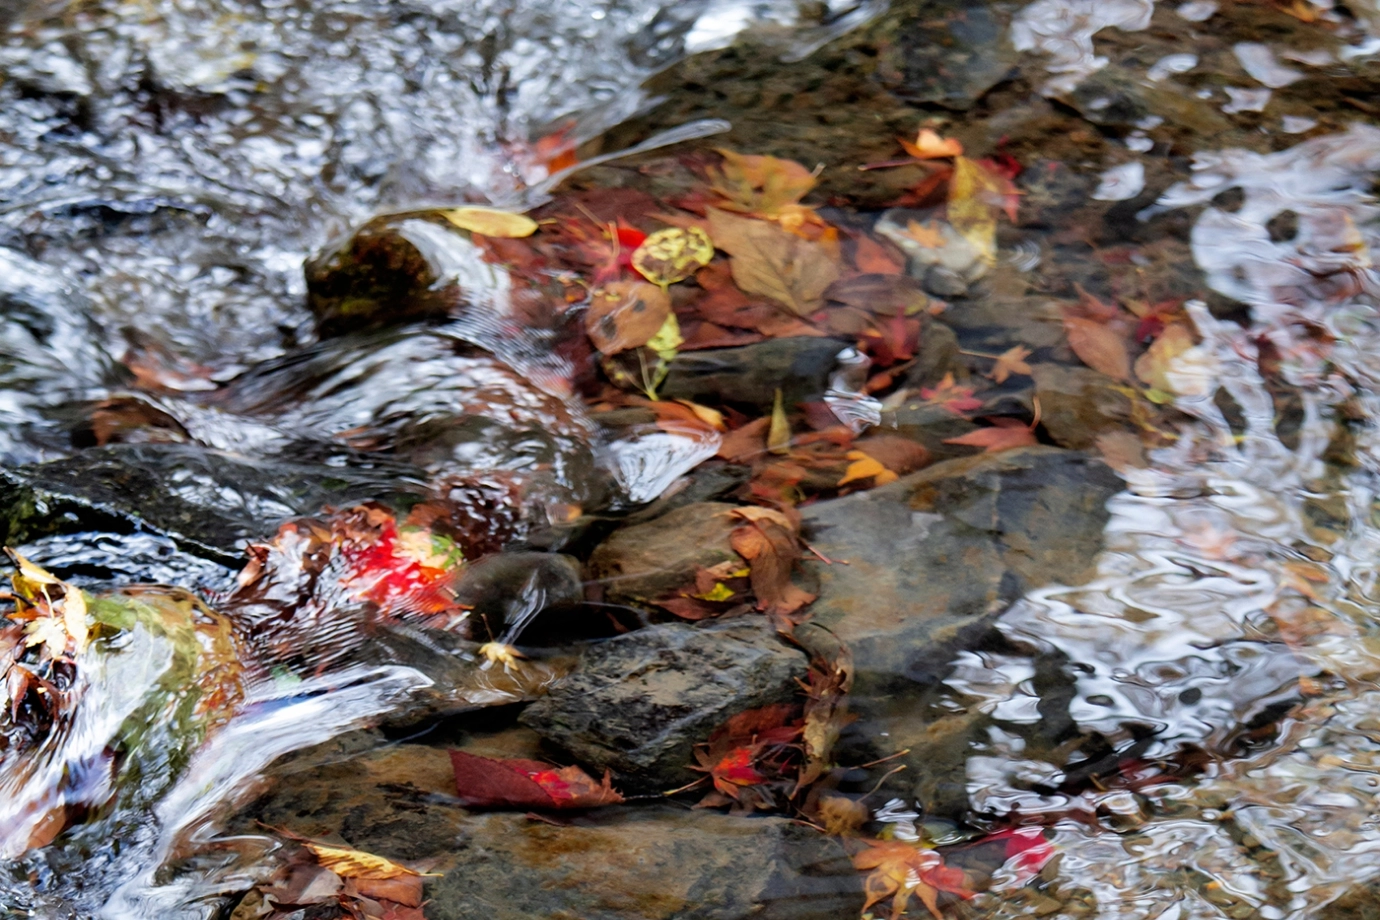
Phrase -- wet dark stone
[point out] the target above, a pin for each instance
(645, 562)
(639, 703)
(209, 503)
(931, 561)
(938, 355)
(503, 587)
(645, 864)
(951, 55)
(381, 275)
(1077, 404)
(751, 374)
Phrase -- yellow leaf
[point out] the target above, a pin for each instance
(971, 210)
(862, 467)
(74, 617)
(779, 434)
(1151, 366)
(30, 572)
(672, 255)
(357, 863)
(665, 345)
(720, 592)
(491, 222)
(711, 417)
(50, 632)
(762, 185)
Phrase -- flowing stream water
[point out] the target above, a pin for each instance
(166, 166)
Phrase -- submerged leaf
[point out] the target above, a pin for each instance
(1098, 346)
(626, 314)
(348, 863)
(672, 255)
(779, 434)
(761, 185)
(1005, 434)
(491, 222)
(930, 146)
(486, 782)
(775, 263)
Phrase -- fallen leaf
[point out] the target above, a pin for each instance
(49, 632)
(771, 550)
(863, 467)
(930, 146)
(348, 863)
(951, 396)
(874, 258)
(1004, 434)
(626, 314)
(840, 816)
(897, 871)
(770, 261)
(1158, 359)
(880, 295)
(672, 255)
(405, 890)
(746, 443)
(977, 193)
(491, 222)
(927, 235)
(895, 452)
(1098, 346)
(484, 782)
(779, 434)
(1011, 361)
(761, 185)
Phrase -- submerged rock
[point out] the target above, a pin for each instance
(923, 567)
(646, 562)
(751, 374)
(639, 703)
(645, 864)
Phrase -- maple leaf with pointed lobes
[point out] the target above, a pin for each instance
(902, 870)
(951, 396)
(1011, 361)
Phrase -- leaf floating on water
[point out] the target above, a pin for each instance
(74, 617)
(626, 314)
(348, 863)
(775, 263)
(672, 255)
(491, 222)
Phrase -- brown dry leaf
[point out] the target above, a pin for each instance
(771, 550)
(746, 443)
(1099, 347)
(405, 890)
(626, 314)
(770, 261)
(762, 185)
(348, 863)
(1011, 361)
(711, 417)
(1151, 366)
(491, 222)
(672, 255)
(930, 146)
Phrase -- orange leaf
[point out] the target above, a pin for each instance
(626, 314)
(930, 146)
(1099, 347)
(1011, 361)
(862, 467)
(761, 185)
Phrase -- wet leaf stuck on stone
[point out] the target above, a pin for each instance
(491, 222)
(1098, 346)
(672, 255)
(486, 782)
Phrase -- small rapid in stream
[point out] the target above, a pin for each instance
(210, 423)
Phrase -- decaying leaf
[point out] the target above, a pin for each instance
(762, 185)
(840, 816)
(772, 262)
(626, 314)
(348, 863)
(491, 222)
(672, 255)
(769, 544)
(1098, 346)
